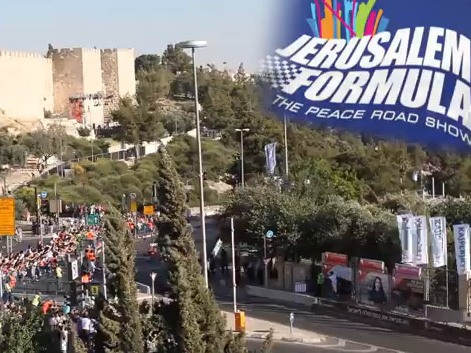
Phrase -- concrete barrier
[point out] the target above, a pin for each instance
(295, 298)
(209, 211)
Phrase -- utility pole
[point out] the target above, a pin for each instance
(234, 282)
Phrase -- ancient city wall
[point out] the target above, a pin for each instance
(92, 85)
(119, 79)
(25, 85)
(109, 72)
(70, 83)
(67, 73)
(91, 66)
(126, 74)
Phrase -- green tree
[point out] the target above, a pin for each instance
(138, 123)
(147, 62)
(120, 323)
(175, 59)
(23, 334)
(192, 320)
(153, 85)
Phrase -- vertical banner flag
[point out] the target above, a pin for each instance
(405, 224)
(270, 155)
(462, 248)
(439, 241)
(420, 240)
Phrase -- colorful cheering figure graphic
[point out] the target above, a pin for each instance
(345, 19)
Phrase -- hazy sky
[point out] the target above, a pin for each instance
(235, 30)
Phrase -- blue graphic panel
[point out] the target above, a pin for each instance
(393, 68)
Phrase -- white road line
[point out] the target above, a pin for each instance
(340, 343)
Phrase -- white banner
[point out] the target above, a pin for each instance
(270, 156)
(405, 224)
(419, 240)
(462, 248)
(439, 241)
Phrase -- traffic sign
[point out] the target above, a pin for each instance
(133, 206)
(266, 261)
(74, 270)
(93, 219)
(132, 195)
(270, 234)
(7, 216)
(95, 289)
(149, 210)
(43, 194)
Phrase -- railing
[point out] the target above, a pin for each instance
(143, 288)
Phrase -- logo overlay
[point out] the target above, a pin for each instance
(351, 64)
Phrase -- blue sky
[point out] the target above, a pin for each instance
(236, 30)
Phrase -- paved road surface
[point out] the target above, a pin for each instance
(345, 329)
(345, 332)
(328, 347)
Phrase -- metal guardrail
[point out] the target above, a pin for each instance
(143, 288)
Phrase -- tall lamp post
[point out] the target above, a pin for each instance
(242, 174)
(193, 45)
(153, 275)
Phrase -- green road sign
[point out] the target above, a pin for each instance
(93, 219)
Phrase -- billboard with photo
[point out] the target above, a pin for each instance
(373, 282)
(408, 288)
(337, 265)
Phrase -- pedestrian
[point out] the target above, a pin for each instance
(59, 278)
(64, 338)
(333, 283)
(320, 284)
(224, 262)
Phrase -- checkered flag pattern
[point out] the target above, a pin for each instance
(278, 72)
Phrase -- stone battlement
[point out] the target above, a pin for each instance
(117, 50)
(20, 54)
(68, 51)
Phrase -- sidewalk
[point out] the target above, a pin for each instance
(260, 329)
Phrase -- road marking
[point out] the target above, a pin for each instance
(340, 343)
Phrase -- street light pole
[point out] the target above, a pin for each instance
(234, 270)
(193, 45)
(103, 266)
(242, 174)
(152, 276)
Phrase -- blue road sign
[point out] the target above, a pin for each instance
(270, 234)
(43, 194)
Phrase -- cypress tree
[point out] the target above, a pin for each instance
(119, 320)
(193, 320)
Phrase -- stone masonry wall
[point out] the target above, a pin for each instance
(31, 84)
(67, 71)
(25, 85)
(109, 72)
(119, 79)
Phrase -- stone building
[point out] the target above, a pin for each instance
(77, 83)
(25, 85)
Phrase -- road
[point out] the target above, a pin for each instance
(372, 337)
(344, 333)
(284, 347)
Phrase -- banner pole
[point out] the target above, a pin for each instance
(447, 288)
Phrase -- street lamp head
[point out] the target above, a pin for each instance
(192, 44)
(242, 130)
(153, 275)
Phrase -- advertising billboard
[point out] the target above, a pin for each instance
(399, 69)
